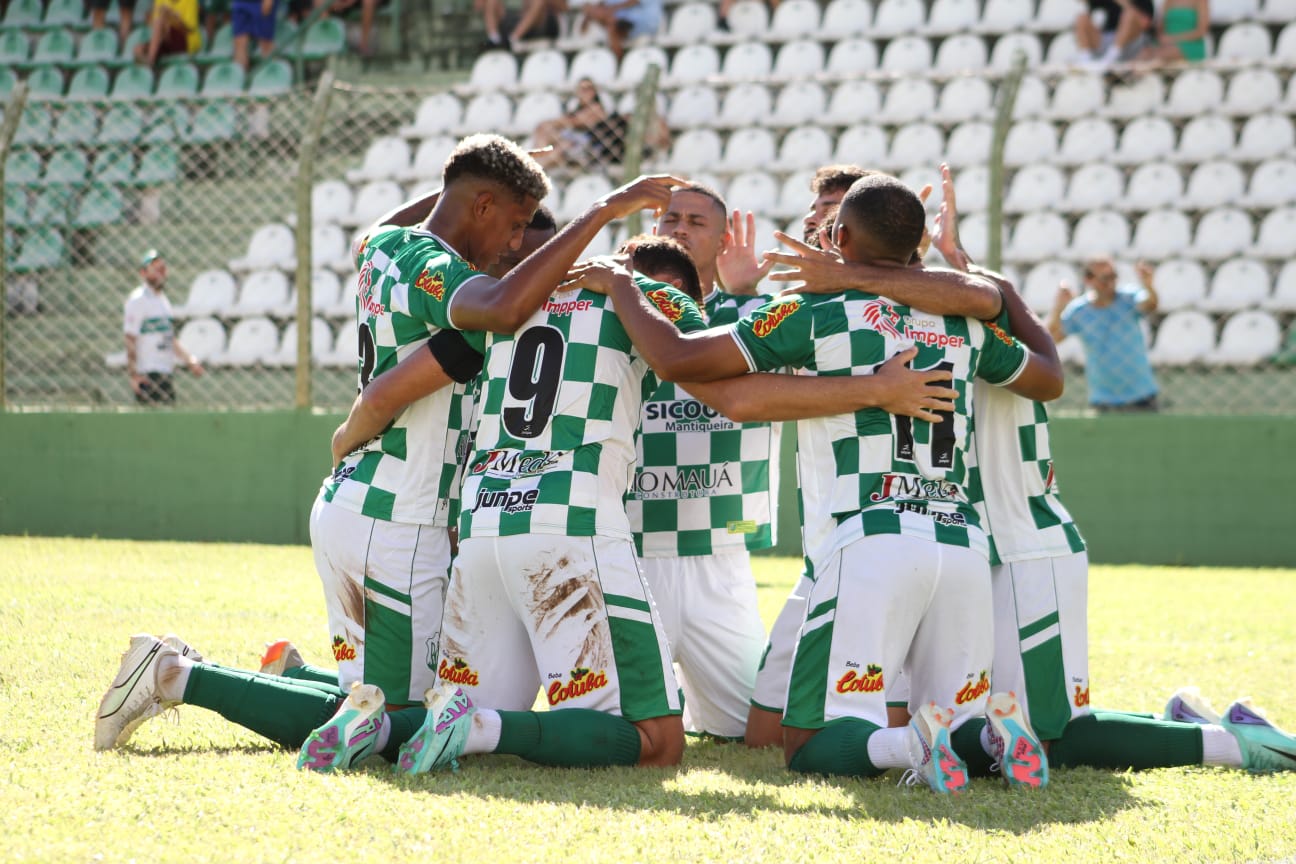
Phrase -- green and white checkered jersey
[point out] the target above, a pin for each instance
(560, 406)
(403, 293)
(703, 483)
(875, 473)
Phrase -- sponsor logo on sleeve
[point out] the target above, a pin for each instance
(582, 681)
(972, 691)
(669, 304)
(999, 333)
(882, 317)
(774, 316)
(457, 672)
(854, 681)
(432, 284)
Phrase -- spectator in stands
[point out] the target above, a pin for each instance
(174, 31)
(99, 16)
(252, 19)
(1183, 27)
(537, 20)
(1113, 31)
(624, 20)
(1108, 321)
(368, 12)
(214, 14)
(574, 135)
(151, 346)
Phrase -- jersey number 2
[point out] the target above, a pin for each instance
(533, 380)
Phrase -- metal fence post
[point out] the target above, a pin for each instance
(632, 161)
(1003, 119)
(12, 117)
(305, 182)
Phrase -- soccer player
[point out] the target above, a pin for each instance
(907, 557)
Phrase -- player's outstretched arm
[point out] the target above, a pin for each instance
(503, 306)
(769, 397)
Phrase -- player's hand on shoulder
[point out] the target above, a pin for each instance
(648, 192)
(598, 274)
(914, 393)
(819, 271)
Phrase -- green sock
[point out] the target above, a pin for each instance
(312, 673)
(967, 743)
(1106, 739)
(279, 709)
(571, 737)
(841, 747)
(403, 724)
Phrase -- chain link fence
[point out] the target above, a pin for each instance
(213, 185)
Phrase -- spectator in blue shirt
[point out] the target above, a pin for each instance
(1108, 320)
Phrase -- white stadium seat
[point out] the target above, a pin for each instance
(907, 99)
(493, 70)
(852, 101)
(747, 61)
(1154, 185)
(1251, 91)
(262, 292)
(800, 59)
(1265, 136)
(969, 144)
(1035, 187)
(1278, 11)
(1194, 92)
(1222, 233)
(1005, 16)
(1214, 184)
(1004, 54)
(1283, 298)
(328, 296)
(1078, 95)
(1054, 15)
(1248, 338)
(972, 188)
(598, 64)
(748, 20)
(1144, 96)
(749, 149)
(924, 175)
(690, 23)
(974, 234)
(744, 105)
(270, 246)
(344, 352)
(251, 341)
(794, 19)
(1038, 236)
(1030, 141)
(964, 98)
(1180, 284)
(1183, 337)
(1092, 139)
(1284, 53)
(845, 18)
(916, 144)
(439, 113)
(1093, 186)
(429, 159)
(1277, 235)
(486, 112)
(954, 16)
(331, 200)
(330, 248)
(1100, 232)
(693, 63)
(543, 70)
(373, 200)
(907, 54)
(898, 17)
(965, 52)
(1273, 183)
(851, 57)
(1162, 234)
(1042, 283)
(533, 109)
(794, 195)
(385, 158)
(1062, 49)
(635, 63)
(1239, 283)
(798, 104)
(1146, 139)
(581, 192)
(695, 105)
(756, 191)
(204, 338)
(1208, 137)
(805, 147)
(212, 292)
(1228, 11)
(322, 343)
(864, 144)
(1245, 43)
(1032, 98)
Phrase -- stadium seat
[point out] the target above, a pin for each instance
(798, 104)
(1265, 136)
(895, 18)
(1035, 187)
(1042, 283)
(386, 157)
(747, 61)
(170, 121)
(972, 188)
(1078, 95)
(794, 194)
(133, 82)
(954, 16)
(1032, 98)
(1277, 235)
(851, 58)
(252, 341)
(1183, 337)
(1092, 139)
(212, 292)
(969, 144)
(1100, 232)
(797, 60)
(1054, 16)
(1208, 137)
(491, 71)
(439, 113)
(1247, 338)
(113, 163)
(794, 19)
(907, 55)
(159, 163)
(1146, 139)
(916, 144)
(1278, 11)
(99, 205)
(907, 100)
(532, 109)
(694, 105)
(1180, 284)
(121, 124)
(1239, 283)
(51, 206)
(371, 201)
(343, 353)
(851, 101)
(965, 52)
(1284, 53)
(15, 48)
(1162, 234)
(224, 79)
(221, 47)
(964, 98)
(330, 248)
(694, 150)
(974, 234)
(66, 166)
(544, 69)
(582, 191)
(1141, 98)
(1273, 183)
(1228, 11)
(77, 124)
(597, 63)
(22, 166)
(1030, 141)
(1214, 184)
(864, 144)
(1246, 42)
(1004, 54)
(271, 78)
(15, 212)
(920, 176)
(1037, 236)
(804, 147)
(690, 24)
(748, 21)
(178, 81)
(44, 83)
(1283, 298)
(693, 64)
(635, 63)
(1252, 91)
(756, 191)
(270, 246)
(1004, 16)
(325, 37)
(285, 354)
(486, 112)
(1154, 185)
(97, 47)
(54, 47)
(749, 149)
(330, 297)
(263, 292)
(1194, 92)
(746, 104)
(843, 19)
(203, 337)
(1222, 233)
(331, 201)
(42, 249)
(22, 15)
(429, 159)
(89, 83)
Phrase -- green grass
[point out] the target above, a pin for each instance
(201, 789)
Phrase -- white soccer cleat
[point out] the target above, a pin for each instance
(932, 754)
(1017, 750)
(132, 698)
(183, 648)
(1188, 705)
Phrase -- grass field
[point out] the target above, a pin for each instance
(201, 789)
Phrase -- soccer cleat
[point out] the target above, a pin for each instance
(1018, 753)
(279, 656)
(132, 698)
(181, 647)
(351, 735)
(443, 735)
(932, 754)
(1264, 746)
(1187, 705)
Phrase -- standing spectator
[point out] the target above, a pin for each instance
(99, 16)
(215, 13)
(151, 346)
(1107, 320)
(175, 31)
(252, 19)
(624, 20)
(538, 20)
(572, 136)
(1183, 28)
(1111, 31)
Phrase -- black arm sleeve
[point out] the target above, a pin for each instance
(459, 359)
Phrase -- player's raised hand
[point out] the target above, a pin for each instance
(945, 236)
(739, 267)
(597, 274)
(650, 192)
(925, 242)
(820, 271)
(919, 394)
(1064, 296)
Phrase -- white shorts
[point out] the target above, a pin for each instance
(571, 615)
(384, 587)
(1042, 638)
(770, 693)
(903, 603)
(708, 607)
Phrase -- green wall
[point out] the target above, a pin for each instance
(1150, 489)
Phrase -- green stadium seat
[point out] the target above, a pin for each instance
(122, 124)
(325, 37)
(35, 125)
(22, 167)
(15, 202)
(98, 46)
(67, 166)
(15, 48)
(138, 36)
(221, 47)
(113, 164)
(89, 82)
(78, 124)
(54, 46)
(271, 78)
(215, 121)
(51, 206)
(43, 248)
(166, 122)
(224, 79)
(158, 164)
(133, 82)
(101, 205)
(45, 82)
(22, 14)
(64, 13)
(178, 81)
